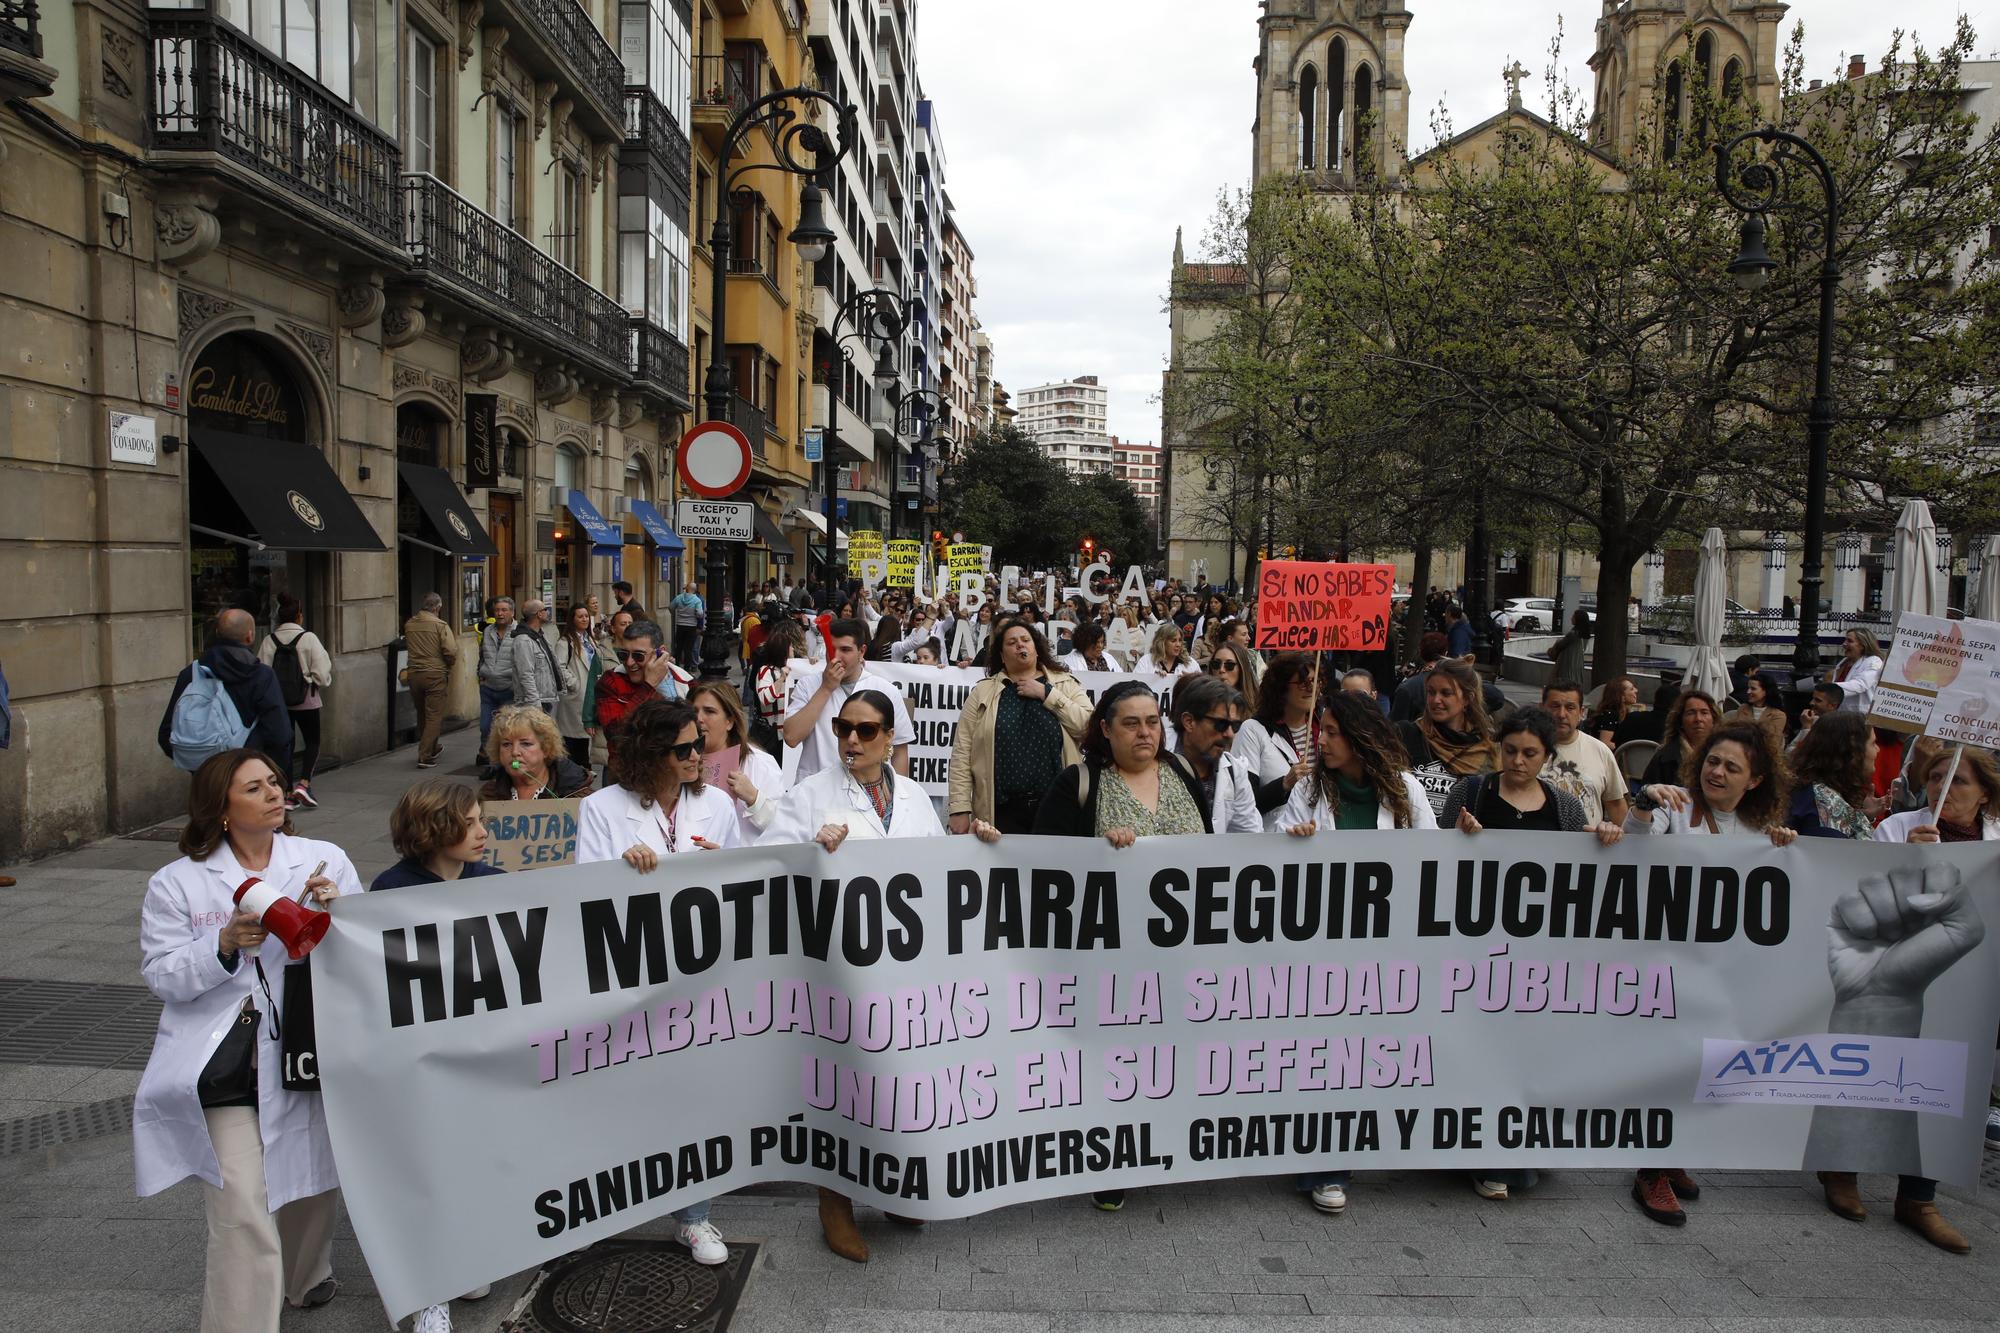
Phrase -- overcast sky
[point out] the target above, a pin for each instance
(1079, 133)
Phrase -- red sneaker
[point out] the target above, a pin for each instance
(1655, 1197)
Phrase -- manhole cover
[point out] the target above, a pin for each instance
(639, 1286)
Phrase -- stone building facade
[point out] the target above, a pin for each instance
(345, 321)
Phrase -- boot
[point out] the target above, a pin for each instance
(1681, 1183)
(836, 1220)
(1843, 1195)
(1656, 1199)
(1924, 1219)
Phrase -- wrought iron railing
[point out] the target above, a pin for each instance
(215, 91)
(719, 83)
(659, 360)
(650, 127)
(571, 35)
(20, 27)
(450, 236)
(750, 420)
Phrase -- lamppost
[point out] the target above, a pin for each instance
(790, 137)
(1754, 191)
(878, 316)
(916, 414)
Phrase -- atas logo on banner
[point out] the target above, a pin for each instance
(1833, 1069)
(306, 512)
(458, 525)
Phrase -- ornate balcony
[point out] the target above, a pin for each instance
(558, 39)
(659, 362)
(750, 420)
(721, 90)
(22, 71)
(655, 145)
(20, 27)
(213, 91)
(460, 246)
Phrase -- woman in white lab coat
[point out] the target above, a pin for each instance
(211, 1103)
(661, 806)
(861, 798)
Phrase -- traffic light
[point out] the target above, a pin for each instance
(937, 545)
(1089, 548)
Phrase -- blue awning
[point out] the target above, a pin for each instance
(656, 526)
(600, 531)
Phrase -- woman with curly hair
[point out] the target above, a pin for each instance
(528, 759)
(1833, 792)
(1451, 738)
(1689, 721)
(1736, 783)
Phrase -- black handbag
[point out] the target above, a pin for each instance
(298, 1036)
(230, 1076)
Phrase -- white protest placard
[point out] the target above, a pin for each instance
(1931, 661)
(516, 1068)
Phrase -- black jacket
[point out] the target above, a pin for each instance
(406, 873)
(1060, 815)
(253, 687)
(567, 778)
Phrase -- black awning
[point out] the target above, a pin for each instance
(445, 508)
(285, 495)
(770, 534)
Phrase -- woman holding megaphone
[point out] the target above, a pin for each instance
(218, 928)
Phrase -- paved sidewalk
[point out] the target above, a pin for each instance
(1414, 1251)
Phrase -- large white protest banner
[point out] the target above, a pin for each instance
(935, 694)
(521, 1066)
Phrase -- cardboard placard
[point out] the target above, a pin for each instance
(530, 835)
(1313, 606)
(1927, 653)
(903, 555)
(966, 558)
(863, 545)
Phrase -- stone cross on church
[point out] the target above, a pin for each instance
(1514, 73)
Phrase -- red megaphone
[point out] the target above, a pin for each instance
(299, 928)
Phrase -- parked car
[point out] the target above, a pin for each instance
(1528, 615)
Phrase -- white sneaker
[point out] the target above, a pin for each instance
(432, 1319)
(1489, 1189)
(1330, 1198)
(704, 1242)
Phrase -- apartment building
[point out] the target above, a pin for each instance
(958, 332)
(1068, 420)
(1138, 465)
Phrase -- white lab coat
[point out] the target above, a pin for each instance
(1269, 755)
(187, 905)
(1307, 805)
(1235, 796)
(611, 821)
(1896, 828)
(1857, 692)
(832, 796)
(768, 778)
(1077, 664)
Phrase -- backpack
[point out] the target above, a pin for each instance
(285, 664)
(205, 721)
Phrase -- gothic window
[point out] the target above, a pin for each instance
(1308, 116)
(1732, 81)
(1336, 105)
(1364, 102)
(1672, 111)
(1704, 59)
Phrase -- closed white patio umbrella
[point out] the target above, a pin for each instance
(1708, 670)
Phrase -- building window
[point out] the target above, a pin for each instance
(421, 153)
(653, 264)
(509, 130)
(572, 207)
(653, 39)
(1308, 116)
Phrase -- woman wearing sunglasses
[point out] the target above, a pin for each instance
(1232, 666)
(661, 806)
(861, 797)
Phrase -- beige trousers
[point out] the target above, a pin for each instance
(257, 1260)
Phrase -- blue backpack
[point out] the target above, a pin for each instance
(206, 721)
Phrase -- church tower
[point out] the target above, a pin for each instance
(1331, 98)
(1646, 68)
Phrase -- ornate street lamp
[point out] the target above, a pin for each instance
(1757, 189)
(801, 149)
(874, 318)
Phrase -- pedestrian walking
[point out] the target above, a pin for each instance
(1207, 713)
(1452, 739)
(646, 672)
(1688, 722)
(1167, 655)
(859, 795)
(1571, 652)
(1738, 786)
(1088, 650)
(1277, 741)
(261, 721)
(1578, 762)
(300, 662)
(538, 678)
(749, 775)
(689, 617)
(1017, 730)
(576, 655)
(432, 652)
(814, 703)
(212, 1104)
(661, 806)
(1231, 664)
(496, 662)
(1858, 671)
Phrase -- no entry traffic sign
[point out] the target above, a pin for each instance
(713, 459)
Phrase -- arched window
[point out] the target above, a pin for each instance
(1308, 117)
(1732, 81)
(1364, 102)
(1671, 138)
(1704, 59)
(1336, 104)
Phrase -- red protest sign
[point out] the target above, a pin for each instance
(1305, 606)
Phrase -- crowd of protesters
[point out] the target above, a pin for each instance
(608, 708)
